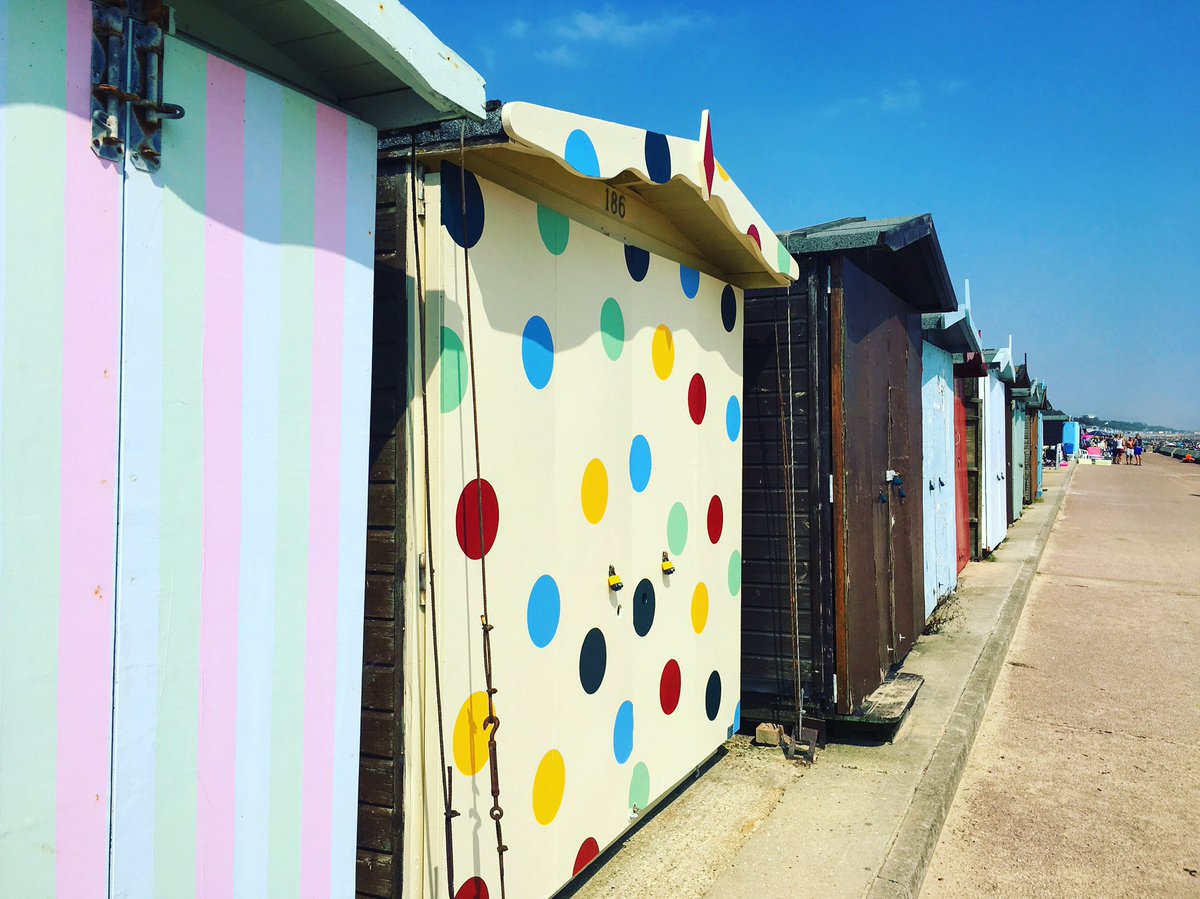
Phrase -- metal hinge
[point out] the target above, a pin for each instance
(127, 67)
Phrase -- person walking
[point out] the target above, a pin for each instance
(1137, 450)
(1114, 449)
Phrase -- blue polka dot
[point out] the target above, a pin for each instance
(581, 154)
(623, 733)
(637, 261)
(640, 463)
(537, 352)
(689, 280)
(542, 613)
(733, 418)
(454, 180)
(658, 157)
(737, 720)
(593, 661)
(728, 308)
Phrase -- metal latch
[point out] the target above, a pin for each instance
(127, 68)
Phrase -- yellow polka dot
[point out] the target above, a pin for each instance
(548, 785)
(470, 739)
(594, 492)
(662, 350)
(699, 607)
(721, 171)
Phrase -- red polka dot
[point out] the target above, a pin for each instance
(668, 687)
(474, 888)
(716, 519)
(697, 398)
(753, 232)
(586, 855)
(466, 519)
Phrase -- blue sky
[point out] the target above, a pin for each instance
(1057, 146)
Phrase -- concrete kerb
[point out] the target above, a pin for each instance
(908, 857)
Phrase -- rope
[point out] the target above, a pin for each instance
(447, 781)
(492, 722)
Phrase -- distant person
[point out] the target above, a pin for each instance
(1137, 450)
(1113, 450)
(1128, 450)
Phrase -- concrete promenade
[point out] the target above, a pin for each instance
(866, 818)
(1084, 779)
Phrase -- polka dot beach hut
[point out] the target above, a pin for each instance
(574, 484)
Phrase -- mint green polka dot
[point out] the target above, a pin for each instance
(677, 528)
(612, 329)
(785, 258)
(735, 573)
(555, 229)
(453, 370)
(639, 787)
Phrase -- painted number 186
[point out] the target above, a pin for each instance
(614, 203)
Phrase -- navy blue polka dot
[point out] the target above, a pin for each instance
(637, 261)
(643, 607)
(593, 659)
(454, 180)
(728, 308)
(712, 696)
(658, 157)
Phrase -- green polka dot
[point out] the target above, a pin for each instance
(612, 328)
(785, 258)
(555, 228)
(453, 369)
(735, 573)
(677, 528)
(639, 787)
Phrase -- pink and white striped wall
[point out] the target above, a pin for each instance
(184, 405)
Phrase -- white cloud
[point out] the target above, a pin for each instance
(610, 26)
(517, 28)
(904, 98)
(558, 56)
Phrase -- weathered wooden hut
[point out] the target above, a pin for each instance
(563, 422)
(945, 454)
(833, 524)
(186, 327)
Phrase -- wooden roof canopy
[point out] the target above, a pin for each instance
(374, 59)
(673, 196)
(901, 253)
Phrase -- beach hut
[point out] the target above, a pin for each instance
(996, 416)
(834, 483)
(568, 453)
(186, 325)
(944, 451)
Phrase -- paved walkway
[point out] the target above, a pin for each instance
(1084, 779)
(864, 819)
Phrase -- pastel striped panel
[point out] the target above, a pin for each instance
(225, 142)
(252, 435)
(59, 376)
(261, 354)
(356, 407)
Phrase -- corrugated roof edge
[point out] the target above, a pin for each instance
(895, 234)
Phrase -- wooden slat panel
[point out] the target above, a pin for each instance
(374, 874)
(376, 782)
(378, 734)
(379, 642)
(379, 688)
(375, 828)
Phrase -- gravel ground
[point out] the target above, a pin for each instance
(682, 849)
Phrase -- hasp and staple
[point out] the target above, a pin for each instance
(127, 88)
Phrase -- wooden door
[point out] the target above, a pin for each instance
(962, 490)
